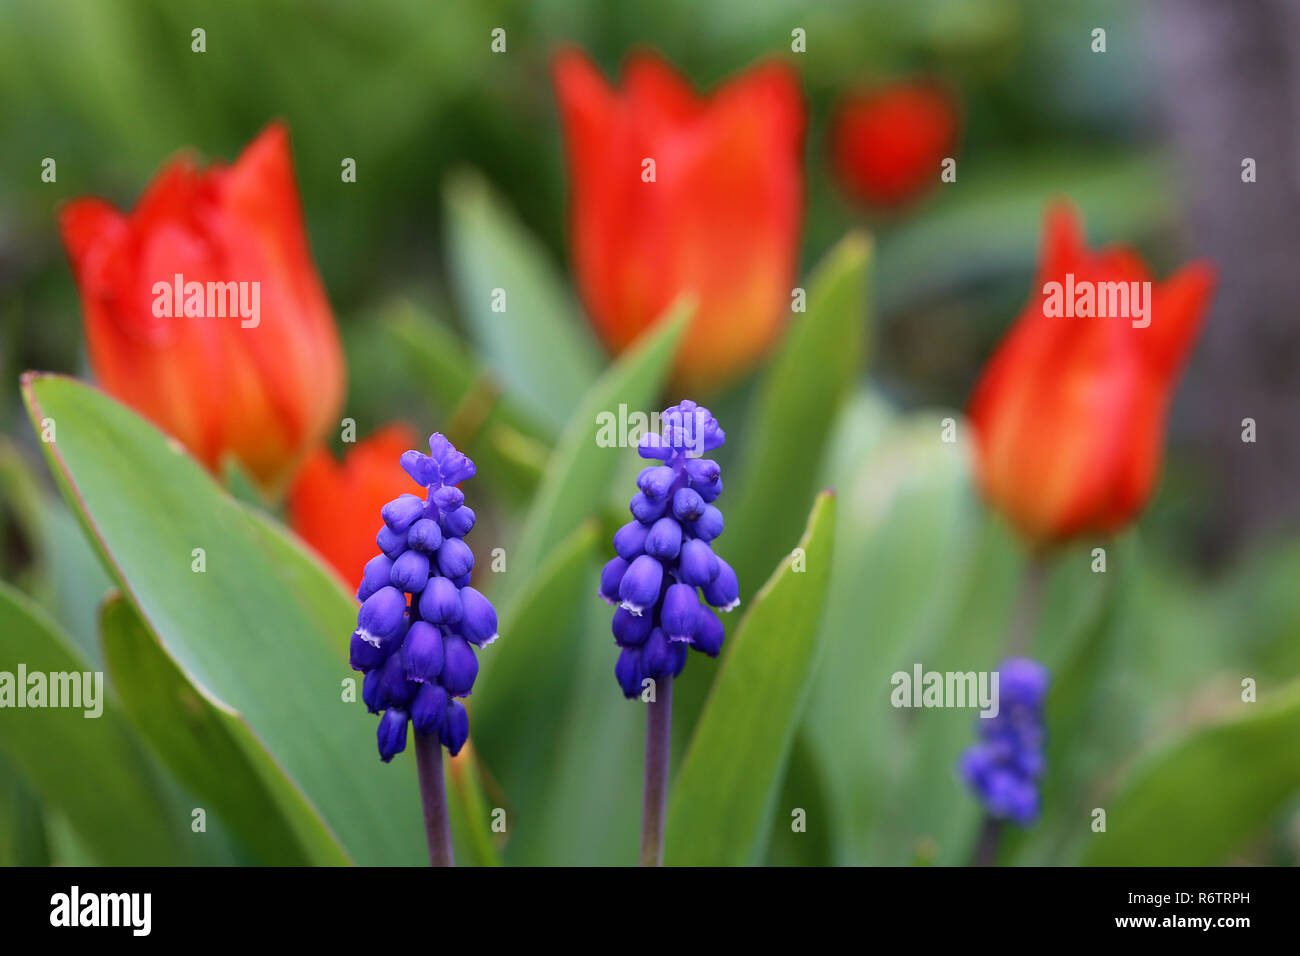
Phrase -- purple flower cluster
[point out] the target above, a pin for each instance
(1004, 766)
(419, 617)
(665, 558)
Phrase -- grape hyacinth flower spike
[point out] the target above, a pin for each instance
(664, 562)
(419, 624)
(1003, 767)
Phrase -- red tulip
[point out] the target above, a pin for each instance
(332, 506)
(238, 356)
(1069, 414)
(720, 219)
(888, 144)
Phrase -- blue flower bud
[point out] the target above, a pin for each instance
(656, 480)
(416, 658)
(664, 556)
(679, 651)
(424, 536)
(687, 504)
(459, 666)
(479, 624)
(393, 683)
(455, 728)
(429, 709)
(710, 491)
(1003, 768)
(631, 630)
(390, 542)
(680, 615)
(647, 510)
(375, 576)
(610, 577)
(422, 652)
(664, 540)
(422, 469)
(381, 614)
(400, 513)
(710, 633)
(410, 572)
(639, 588)
(653, 446)
(448, 499)
(455, 558)
(698, 564)
(440, 602)
(702, 471)
(629, 540)
(458, 523)
(363, 655)
(708, 525)
(628, 672)
(371, 695)
(392, 733)
(657, 656)
(723, 592)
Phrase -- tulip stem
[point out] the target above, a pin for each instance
(1024, 621)
(433, 797)
(658, 738)
(1029, 599)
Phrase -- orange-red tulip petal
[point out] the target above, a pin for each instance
(720, 220)
(263, 388)
(1069, 414)
(332, 505)
(887, 144)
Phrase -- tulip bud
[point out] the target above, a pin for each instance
(888, 144)
(204, 312)
(1069, 414)
(717, 217)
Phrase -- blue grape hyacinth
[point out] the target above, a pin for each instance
(664, 556)
(1003, 767)
(420, 620)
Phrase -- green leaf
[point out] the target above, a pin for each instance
(471, 815)
(536, 624)
(533, 343)
(729, 777)
(23, 840)
(491, 427)
(1203, 796)
(246, 631)
(91, 769)
(211, 749)
(905, 520)
(810, 377)
(577, 476)
(516, 712)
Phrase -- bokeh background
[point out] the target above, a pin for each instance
(1147, 139)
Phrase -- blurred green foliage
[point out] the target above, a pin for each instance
(460, 176)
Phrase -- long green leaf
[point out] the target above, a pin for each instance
(577, 476)
(726, 786)
(1203, 796)
(810, 377)
(211, 748)
(92, 769)
(245, 630)
(522, 318)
